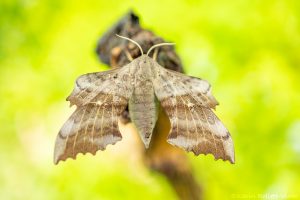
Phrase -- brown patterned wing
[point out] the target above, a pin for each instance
(100, 98)
(194, 127)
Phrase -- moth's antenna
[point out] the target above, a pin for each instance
(158, 45)
(137, 44)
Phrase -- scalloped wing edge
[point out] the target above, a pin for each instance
(61, 157)
(231, 159)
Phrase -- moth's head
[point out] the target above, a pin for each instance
(144, 56)
(143, 60)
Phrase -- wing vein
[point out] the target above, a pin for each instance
(74, 144)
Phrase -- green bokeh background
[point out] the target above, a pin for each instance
(248, 50)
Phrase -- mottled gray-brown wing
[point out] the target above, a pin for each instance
(194, 127)
(115, 82)
(100, 99)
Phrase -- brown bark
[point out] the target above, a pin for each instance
(162, 157)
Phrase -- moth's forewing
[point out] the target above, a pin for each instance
(188, 103)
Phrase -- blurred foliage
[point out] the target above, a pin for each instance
(248, 51)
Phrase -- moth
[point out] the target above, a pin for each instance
(102, 97)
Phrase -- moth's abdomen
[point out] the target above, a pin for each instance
(143, 111)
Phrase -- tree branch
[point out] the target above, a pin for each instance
(162, 157)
